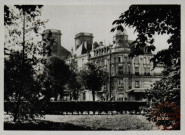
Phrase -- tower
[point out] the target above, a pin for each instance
(85, 41)
(56, 48)
(120, 39)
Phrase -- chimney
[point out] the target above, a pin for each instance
(101, 43)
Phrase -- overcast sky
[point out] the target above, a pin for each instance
(96, 19)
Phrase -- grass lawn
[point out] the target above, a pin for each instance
(84, 122)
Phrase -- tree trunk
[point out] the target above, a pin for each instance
(17, 108)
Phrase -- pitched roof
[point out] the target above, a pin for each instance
(63, 53)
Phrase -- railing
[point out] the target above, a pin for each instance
(89, 107)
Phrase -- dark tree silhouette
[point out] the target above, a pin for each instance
(57, 74)
(25, 94)
(93, 78)
(74, 84)
(148, 20)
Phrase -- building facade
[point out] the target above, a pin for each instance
(129, 77)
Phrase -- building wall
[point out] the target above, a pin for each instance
(126, 73)
(81, 61)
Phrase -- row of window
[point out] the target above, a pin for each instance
(120, 84)
(101, 51)
(121, 71)
(146, 71)
(120, 59)
(146, 60)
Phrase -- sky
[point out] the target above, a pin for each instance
(96, 19)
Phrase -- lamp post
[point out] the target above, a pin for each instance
(110, 91)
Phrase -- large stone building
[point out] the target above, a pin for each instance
(130, 78)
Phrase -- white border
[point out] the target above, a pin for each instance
(92, 2)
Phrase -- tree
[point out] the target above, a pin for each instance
(57, 76)
(148, 20)
(8, 15)
(74, 84)
(93, 78)
(22, 49)
(95, 45)
(25, 30)
(25, 94)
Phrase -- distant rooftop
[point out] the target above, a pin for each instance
(83, 34)
(54, 31)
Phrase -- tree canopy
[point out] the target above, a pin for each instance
(22, 47)
(74, 84)
(21, 85)
(57, 74)
(149, 20)
(23, 29)
(93, 78)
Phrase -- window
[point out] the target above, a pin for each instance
(148, 60)
(146, 71)
(120, 82)
(136, 60)
(120, 97)
(102, 62)
(136, 70)
(82, 62)
(130, 84)
(120, 70)
(112, 70)
(129, 69)
(114, 59)
(137, 84)
(119, 59)
(105, 62)
(144, 60)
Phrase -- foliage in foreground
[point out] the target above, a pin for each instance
(22, 48)
(149, 20)
(21, 87)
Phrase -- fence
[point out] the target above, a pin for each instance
(89, 107)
